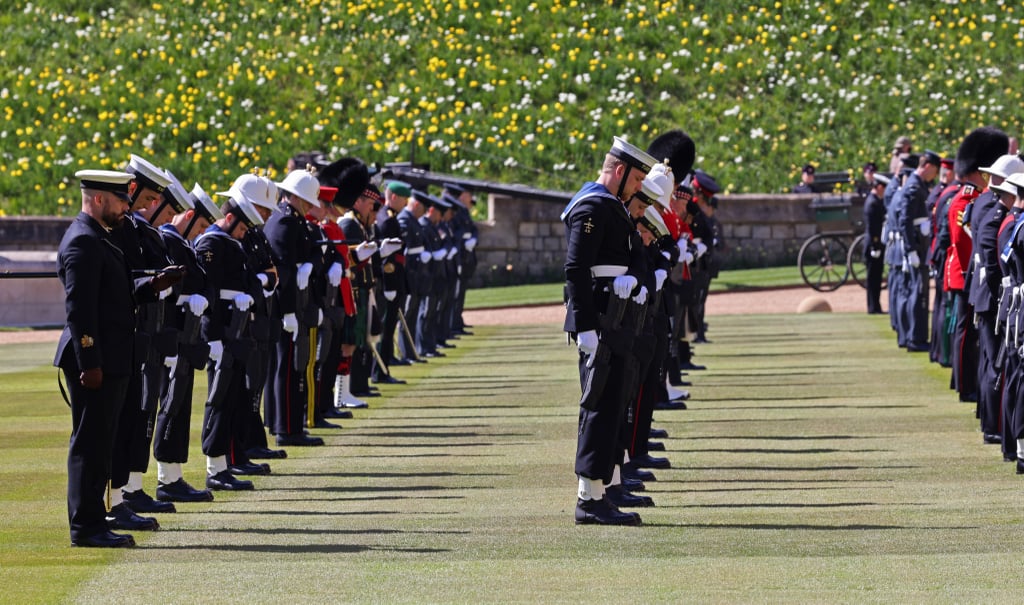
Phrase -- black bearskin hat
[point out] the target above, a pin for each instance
(350, 176)
(982, 147)
(678, 149)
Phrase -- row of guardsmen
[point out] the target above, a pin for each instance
(288, 294)
(637, 248)
(962, 236)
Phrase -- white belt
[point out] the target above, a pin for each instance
(1007, 281)
(918, 221)
(415, 250)
(608, 270)
(229, 294)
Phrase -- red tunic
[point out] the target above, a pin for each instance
(959, 254)
(334, 233)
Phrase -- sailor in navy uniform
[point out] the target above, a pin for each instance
(154, 340)
(96, 349)
(466, 235)
(432, 276)
(599, 233)
(184, 308)
(226, 328)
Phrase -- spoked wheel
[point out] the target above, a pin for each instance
(856, 264)
(822, 262)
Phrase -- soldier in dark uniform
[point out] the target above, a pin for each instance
(417, 276)
(449, 275)
(227, 329)
(806, 184)
(466, 235)
(96, 349)
(393, 259)
(144, 251)
(940, 350)
(184, 310)
(874, 216)
(915, 230)
(984, 287)
(599, 233)
(1011, 243)
(434, 275)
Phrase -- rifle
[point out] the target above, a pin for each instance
(408, 333)
(222, 376)
(192, 354)
(598, 365)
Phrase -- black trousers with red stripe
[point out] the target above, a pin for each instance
(285, 390)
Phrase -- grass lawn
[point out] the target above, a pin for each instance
(817, 463)
(543, 294)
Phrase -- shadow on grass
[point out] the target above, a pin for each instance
(295, 531)
(297, 549)
(779, 438)
(426, 474)
(818, 450)
(790, 526)
(801, 469)
(802, 407)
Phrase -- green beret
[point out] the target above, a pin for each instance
(399, 188)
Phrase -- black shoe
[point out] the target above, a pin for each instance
(675, 404)
(367, 393)
(991, 439)
(180, 491)
(637, 474)
(434, 354)
(123, 517)
(648, 461)
(463, 332)
(226, 481)
(336, 413)
(597, 512)
(701, 340)
(300, 439)
(914, 347)
(633, 485)
(658, 434)
(323, 424)
(107, 539)
(622, 498)
(141, 502)
(264, 453)
(446, 345)
(655, 446)
(249, 468)
(1009, 457)
(684, 383)
(689, 365)
(420, 359)
(387, 379)
(401, 362)
(1020, 466)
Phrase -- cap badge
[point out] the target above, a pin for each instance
(87, 341)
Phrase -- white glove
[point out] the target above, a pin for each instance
(197, 304)
(302, 274)
(319, 317)
(587, 342)
(914, 259)
(623, 285)
(439, 254)
(686, 257)
(365, 250)
(264, 280)
(216, 352)
(660, 275)
(641, 296)
(470, 244)
(683, 246)
(390, 246)
(667, 255)
(925, 227)
(335, 273)
(452, 252)
(425, 257)
(701, 249)
(875, 252)
(290, 323)
(164, 293)
(390, 295)
(242, 302)
(171, 363)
